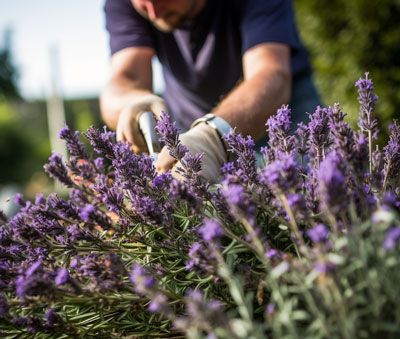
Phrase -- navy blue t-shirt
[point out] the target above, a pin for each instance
(202, 60)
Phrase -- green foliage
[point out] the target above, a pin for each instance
(17, 152)
(347, 38)
(8, 71)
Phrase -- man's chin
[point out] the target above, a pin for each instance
(165, 26)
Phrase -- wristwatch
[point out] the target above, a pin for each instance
(220, 125)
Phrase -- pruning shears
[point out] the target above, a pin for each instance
(147, 125)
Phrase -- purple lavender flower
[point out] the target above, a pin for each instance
(270, 309)
(319, 137)
(194, 259)
(239, 201)
(132, 170)
(343, 139)
(335, 114)
(358, 157)
(19, 200)
(104, 271)
(75, 148)
(5, 236)
(367, 100)
(82, 168)
(62, 277)
(210, 230)
(191, 164)
(282, 175)
(87, 212)
(99, 163)
(21, 229)
(56, 169)
(40, 199)
(34, 281)
(278, 128)
(90, 214)
(149, 210)
(76, 233)
(392, 238)
(319, 233)
(52, 318)
(159, 304)
(298, 205)
(202, 313)
(302, 133)
(392, 155)
(110, 194)
(162, 181)
(200, 258)
(65, 209)
(243, 149)
(142, 281)
(390, 201)
(324, 266)
(332, 184)
(271, 253)
(228, 168)
(102, 142)
(78, 196)
(169, 136)
(181, 192)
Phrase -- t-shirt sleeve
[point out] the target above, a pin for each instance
(267, 21)
(126, 27)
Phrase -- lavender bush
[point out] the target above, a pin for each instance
(304, 247)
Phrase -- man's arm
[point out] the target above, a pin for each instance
(131, 78)
(266, 86)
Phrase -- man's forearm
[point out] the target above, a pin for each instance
(116, 96)
(249, 105)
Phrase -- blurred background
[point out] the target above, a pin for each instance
(54, 60)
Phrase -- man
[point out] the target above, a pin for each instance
(239, 59)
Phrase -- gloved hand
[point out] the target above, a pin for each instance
(128, 121)
(201, 138)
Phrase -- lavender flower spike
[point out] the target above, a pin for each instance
(243, 148)
(169, 136)
(278, 128)
(102, 142)
(141, 279)
(57, 170)
(76, 148)
(210, 230)
(62, 277)
(392, 238)
(319, 233)
(332, 184)
(367, 100)
(392, 154)
(282, 175)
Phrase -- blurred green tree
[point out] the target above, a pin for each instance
(8, 71)
(22, 150)
(17, 152)
(348, 38)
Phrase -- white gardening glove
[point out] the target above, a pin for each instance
(128, 121)
(201, 138)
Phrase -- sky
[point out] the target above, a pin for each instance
(75, 29)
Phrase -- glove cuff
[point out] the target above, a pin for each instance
(220, 125)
